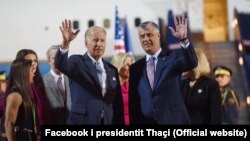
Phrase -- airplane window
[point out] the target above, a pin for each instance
(137, 22)
(75, 24)
(91, 23)
(106, 23)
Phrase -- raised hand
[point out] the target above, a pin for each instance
(181, 27)
(67, 33)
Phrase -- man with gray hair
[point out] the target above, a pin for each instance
(95, 88)
(154, 83)
(57, 89)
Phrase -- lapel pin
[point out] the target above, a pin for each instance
(199, 91)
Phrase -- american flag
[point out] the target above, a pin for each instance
(119, 35)
(127, 38)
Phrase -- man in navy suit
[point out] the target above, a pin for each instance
(154, 94)
(95, 89)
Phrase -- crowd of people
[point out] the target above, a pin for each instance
(164, 87)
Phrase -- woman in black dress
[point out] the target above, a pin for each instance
(201, 93)
(21, 116)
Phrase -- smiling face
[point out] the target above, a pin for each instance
(95, 42)
(149, 38)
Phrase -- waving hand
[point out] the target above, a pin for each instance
(181, 27)
(67, 33)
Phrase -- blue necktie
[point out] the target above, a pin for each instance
(151, 71)
(99, 72)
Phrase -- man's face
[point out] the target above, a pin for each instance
(96, 43)
(150, 39)
(52, 60)
(223, 80)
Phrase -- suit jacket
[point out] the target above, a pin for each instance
(59, 110)
(88, 104)
(203, 101)
(164, 103)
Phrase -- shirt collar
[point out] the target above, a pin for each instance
(55, 75)
(155, 55)
(93, 61)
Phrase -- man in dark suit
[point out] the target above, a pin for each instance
(154, 94)
(95, 89)
(57, 90)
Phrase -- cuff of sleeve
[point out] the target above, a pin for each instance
(185, 45)
(63, 51)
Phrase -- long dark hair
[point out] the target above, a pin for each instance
(38, 80)
(19, 80)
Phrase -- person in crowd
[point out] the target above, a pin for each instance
(21, 114)
(38, 88)
(154, 95)
(95, 87)
(230, 99)
(3, 82)
(57, 90)
(3, 86)
(201, 93)
(122, 62)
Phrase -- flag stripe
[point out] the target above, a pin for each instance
(119, 35)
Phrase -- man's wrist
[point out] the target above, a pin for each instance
(184, 41)
(63, 50)
(65, 45)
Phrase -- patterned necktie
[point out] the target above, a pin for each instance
(60, 88)
(151, 71)
(101, 78)
(99, 72)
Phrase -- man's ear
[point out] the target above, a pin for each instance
(86, 42)
(159, 35)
